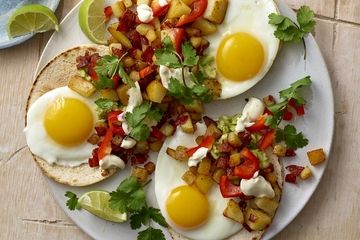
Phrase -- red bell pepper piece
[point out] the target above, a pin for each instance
(137, 159)
(94, 159)
(114, 124)
(267, 140)
(108, 12)
(287, 116)
(299, 108)
(199, 7)
(116, 80)
(207, 142)
(177, 36)
(250, 165)
(258, 125)
(146, 71)
(156, 133)
(290, 178)
(290, 152)
(295, 169)
(228, 189)
(157, 9)
(105, 146)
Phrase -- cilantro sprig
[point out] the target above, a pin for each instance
(178, 88)
(291, 138)
(106, 68)
(72, 202)
(130, 197)
(138, 118)
(290, 31)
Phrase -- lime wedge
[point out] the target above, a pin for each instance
(92, 20)
(97, 203)
(33, 18)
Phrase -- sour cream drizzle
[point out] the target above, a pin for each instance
(252, 111)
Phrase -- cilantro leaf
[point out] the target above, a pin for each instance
(151, 234)
(138, 114)
(125, 77)
(72, 202)
(154, 114)
(129, 185)
(140, 132)
(137, 219)
(118, 201)
(106, 104)
(168, 44)
(156, 216)
(305, 18)
(206, 66)
(104, 82)
(292, 139)
(167, 58)
(137, 201)
(203, 93)
(189, 53)
(293, 91)
(180, 92)
(107, 65)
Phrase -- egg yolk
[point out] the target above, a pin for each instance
(187, 207)
(240, 56)
(68, 121)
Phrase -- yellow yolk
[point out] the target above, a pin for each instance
(240, 56)
(68, 121)
(187, 207)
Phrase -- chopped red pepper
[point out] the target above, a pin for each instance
(127, 21)
(267, 140)
(146, 71)
(137, 159)
(181, 119)
(223, 161)
(287, 116)
(114, 124)
(224, 147)
(105, 146)
(156, 133)
(290, 152)
(108, 12)
(228, 189)
(295, 169)
(177, 36)
(157, 9)
(290, 178)
(199, 7)
(116, 80)
(258, 125)
(147, 55)
(250, 165)
(299, 108)
(94, 160)
(207, 142)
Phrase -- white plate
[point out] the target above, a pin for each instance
(317, 125)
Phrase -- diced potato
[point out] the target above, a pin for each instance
(187, 126)
(204, 166)
(189, 177)
(118, 9)
(178, 154)
(213, 130)
(138, 53)
(94, 139)
(279, 150)
(120, 37)
(305, 173)
(204, 26)
(109, 94)
(196, 107)
(134, 75)
(269, 100)
(128, 3)
(167, 129)
(214, 86)
(116, 140)
(234, 212)
(218, 173)
(177, 9)
(156, 91)
(216, 10)
(151, 35)
(155, 146)
(81, 86)
(142, 147)
(316, 156)
(203, 183)
(235, 159)
(271, 177)
(140, 173)
(150, 167)
(147, 2)
(256, 219)
(143, 28)
(234, 140)
(193, 32)
(267, 205)
(122, 94)
(195, 41)
(195, 117)
(128, 61)
(199, 139)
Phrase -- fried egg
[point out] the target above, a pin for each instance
(244, 46)
(188, 211)
(58, 125)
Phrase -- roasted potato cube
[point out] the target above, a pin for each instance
(122, 94)
(142, 147)
(119, 36)
(128, 3)
(218, 173)
(193, 32)
(167, 129)
(279, 150)
(140, 173)
(195, 117)
(204, 26)
(234, 212)
(143, 28)
(147, 2)
(134, 75)
(316, 156)
(81, 86)
(213, 130)
(189, 177)
(235, 159)
(195, 41)
(204, 166)
(177, 9)
(214, 86)
(93, 139)
(118, 9)
(256, 219)
(267, 205)
(305, 173)
(128, 61)
(178, 154)
(234, 140)
(203, 183)
(216, 11)
(155, 146)
(150, 167)
(156, 91)
(109, 94)
(196, 107)
(187, 126)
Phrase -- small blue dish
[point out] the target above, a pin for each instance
(7, 7)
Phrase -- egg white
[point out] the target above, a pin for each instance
(42, 145)
(168, 176)
(249, 16)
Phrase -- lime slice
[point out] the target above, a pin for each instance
(97, 203)
(33, 18)
(92, 20)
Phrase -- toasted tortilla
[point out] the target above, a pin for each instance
(56, 74)
(243, 234)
